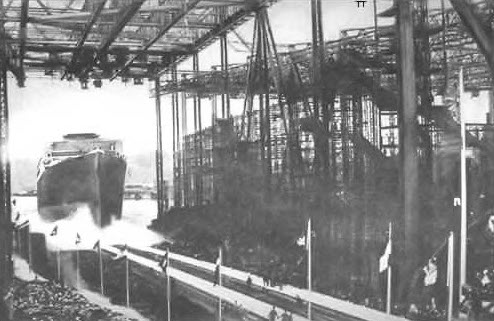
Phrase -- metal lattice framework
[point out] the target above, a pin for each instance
(105, 39)
(359, 76)
(451, 46)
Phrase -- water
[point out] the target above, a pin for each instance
(138, 213)
(131, 229)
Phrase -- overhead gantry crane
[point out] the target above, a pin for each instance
(94, 40)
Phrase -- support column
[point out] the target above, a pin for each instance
(177, 168)
(6, 266)
(197, 139)
(225, 96)
(267, 108)
(490, 120)
(185, 145)
(159, 149)
(345, 102)
(321, 139)
(408, 141)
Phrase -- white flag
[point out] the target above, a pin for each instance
(123, 253)
(384, 259)
(430, 271)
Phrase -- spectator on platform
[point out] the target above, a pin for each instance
(285, 316)
(216, 275)
(16, 214)
(249, 282)
(273, 314)
(265, 280)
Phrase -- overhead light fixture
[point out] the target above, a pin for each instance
(84, 84)
(138, 81)
(97, 83)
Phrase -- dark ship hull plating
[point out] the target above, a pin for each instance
(95, 179)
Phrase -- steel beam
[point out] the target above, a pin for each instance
(6, 266)
(481, 33)
(177, 174)
(125, 15)
(44, 7)
(409, 139)
(184, 150)
(198, 143)
(189, 7)
(23, 34)
(90, 23)
(220, 29)
(159, 150)
(225, 96)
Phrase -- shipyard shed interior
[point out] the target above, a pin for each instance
(353, 132)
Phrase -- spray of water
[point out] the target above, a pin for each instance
(81, 224)
(78, 232)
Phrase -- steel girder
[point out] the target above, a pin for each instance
(134, 38)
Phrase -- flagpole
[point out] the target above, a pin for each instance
(77, 263)
(450, 275)
(309, 266)
(168, 290)
(388, 287)
(58, 263)
(101, 269)
(463, 172)
(29, 247)
(219, 282)
(19, 247)
(127, 278)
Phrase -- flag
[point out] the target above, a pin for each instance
(23, 224)
(305, 239)
(77, 239)
(164, 261)
(55, 231)
(123, 253)
(430, 271)
(384, 259)
(490, 224)
(217, 275)
(96, 246)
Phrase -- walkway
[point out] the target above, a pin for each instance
(254, 306)
(323, 305)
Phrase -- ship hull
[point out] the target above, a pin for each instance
(95, 180)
